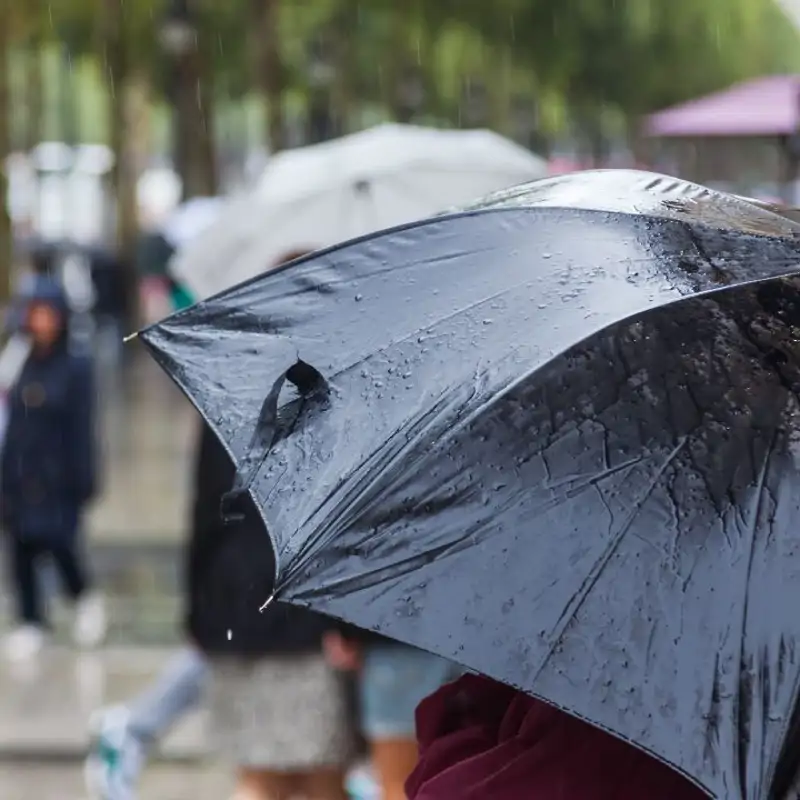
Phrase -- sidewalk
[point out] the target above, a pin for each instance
(45, 705)
(65, 782)
(148, 431)
(44, 709)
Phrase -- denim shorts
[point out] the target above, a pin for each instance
(394, 679)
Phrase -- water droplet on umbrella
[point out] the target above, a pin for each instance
(359, 298)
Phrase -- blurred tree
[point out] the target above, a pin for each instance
(6, 233)
(187, 33)
(34, 106)
(26, 32)
(116, 52)
(265, 41)
(599, 63)
(628, 57)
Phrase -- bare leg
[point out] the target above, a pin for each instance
(394, 761)
(256, 784)
(324, 784)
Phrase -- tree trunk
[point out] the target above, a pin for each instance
(123, 178)
(269, 69)
(499, 83)
(6, 232)
(33, 94)
(194, 123)
(341, 98)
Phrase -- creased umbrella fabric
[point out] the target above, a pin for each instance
(556, 444)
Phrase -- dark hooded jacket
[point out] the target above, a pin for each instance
(230, 573)
(48, 464)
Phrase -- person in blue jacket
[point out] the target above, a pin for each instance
(48, 472)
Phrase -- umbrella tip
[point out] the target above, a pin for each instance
(268, 603)
(130, 337)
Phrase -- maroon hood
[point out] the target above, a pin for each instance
(480, 740)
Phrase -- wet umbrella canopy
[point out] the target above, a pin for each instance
(552, 438)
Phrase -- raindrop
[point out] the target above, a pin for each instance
(547, 255)
(359, 298)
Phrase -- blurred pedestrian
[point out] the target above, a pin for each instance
(393, 679)
(278, 739)
(278, 711)
(123, 736)
(49, 473)
(481, 740)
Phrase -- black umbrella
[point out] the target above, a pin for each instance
(552, 442)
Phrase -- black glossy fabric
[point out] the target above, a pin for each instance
(230, 573)
(553, 438)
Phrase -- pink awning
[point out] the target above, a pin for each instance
(764, 107)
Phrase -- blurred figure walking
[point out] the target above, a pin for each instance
(393, 679)
(122, 737)
(279, 714)
(49, 472)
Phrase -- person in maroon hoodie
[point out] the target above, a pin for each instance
(481, 740)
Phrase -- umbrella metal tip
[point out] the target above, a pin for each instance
(130, 337)
(267, 603)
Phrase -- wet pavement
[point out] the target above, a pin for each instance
(44, 709)
(45, 704)
(65, 782)
(148, 430)
(142, 585)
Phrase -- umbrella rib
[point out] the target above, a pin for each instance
(740, 763)
(597, 568)
(579, 485)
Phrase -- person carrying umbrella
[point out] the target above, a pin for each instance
(49, 471)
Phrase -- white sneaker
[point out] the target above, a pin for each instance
(24, 643)
(361, 784)
(91, 623)
(115, 759)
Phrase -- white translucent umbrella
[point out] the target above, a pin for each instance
(191, 219)
(320, 195)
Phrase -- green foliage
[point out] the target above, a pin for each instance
(577, 57)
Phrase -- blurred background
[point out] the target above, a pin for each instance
(114, 113)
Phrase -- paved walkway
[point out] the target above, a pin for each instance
(44, 708)
(148, 431)
(65, 782)
(45, 705)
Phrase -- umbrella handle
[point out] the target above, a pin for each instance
(312, 386)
